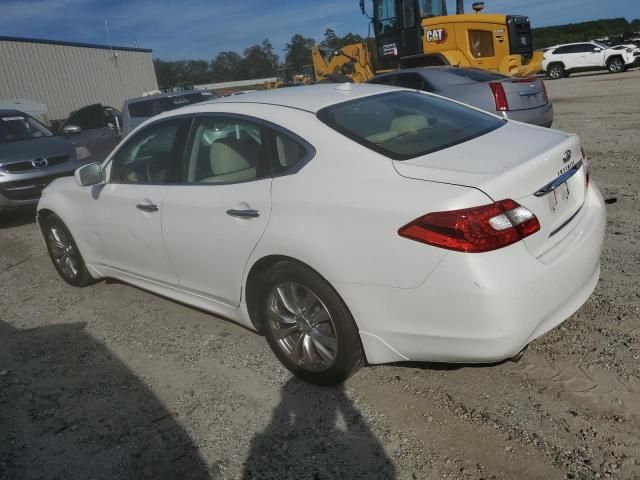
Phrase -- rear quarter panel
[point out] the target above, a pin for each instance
(341, 212)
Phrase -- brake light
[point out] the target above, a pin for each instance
(474, 230)
(499, 96)
(544, 91)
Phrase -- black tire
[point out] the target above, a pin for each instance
(64, 252)
(556, 71)
(615, 65)
(348, 354)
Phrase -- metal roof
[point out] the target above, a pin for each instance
(72, 44)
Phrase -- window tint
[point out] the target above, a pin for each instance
(153, 155)
(587, 47)
(225, 150)
(481, 43)
(89, 118)
(288, 152)
(156, 105)
(568, 49)
(476, 75)
(403, 125)
(409, 80)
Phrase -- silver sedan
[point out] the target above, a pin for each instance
(521, 99)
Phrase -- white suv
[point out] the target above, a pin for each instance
(561, 60)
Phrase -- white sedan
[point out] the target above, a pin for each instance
(350, 224)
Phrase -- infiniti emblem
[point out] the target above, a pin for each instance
(40, 163)
(567, 156)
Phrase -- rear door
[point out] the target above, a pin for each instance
(215, 218)
(591, 56)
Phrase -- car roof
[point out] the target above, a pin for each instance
(311, 98)
(164, 95)
(575, 43)
(10, 112)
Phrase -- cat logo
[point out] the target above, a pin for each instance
(437, 35)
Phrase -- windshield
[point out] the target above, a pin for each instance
(404, 125)
(156, 105)
(16, 126)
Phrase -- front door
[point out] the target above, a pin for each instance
(214, 220)
(96, 135)
(129, 206)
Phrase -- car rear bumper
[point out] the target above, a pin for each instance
(541, 116)
(483, 308)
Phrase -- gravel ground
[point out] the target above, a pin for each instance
(112, 382)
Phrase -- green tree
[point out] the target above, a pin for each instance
(635, 25)
(260, 61)
(227, 66)
(298, 53)
(332, 41)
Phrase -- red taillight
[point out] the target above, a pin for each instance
(499, 96)
(474, 230)
(544, 91)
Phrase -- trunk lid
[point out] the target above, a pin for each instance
(524, 93)
(515, 161)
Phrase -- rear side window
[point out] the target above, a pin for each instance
(481, 43)
(225, 150)
(288, 152)
(476, 75)
(403, 125)
(386, 80)
(409, 80)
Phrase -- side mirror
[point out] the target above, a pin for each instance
(71, 129)
(89, 175)
(597, 49)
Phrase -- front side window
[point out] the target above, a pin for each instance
(153, 155)
(481, 43)
(15, 127)
(403, 125)
(89, 118)
(384, 12)
(432, 8)
(225, 150)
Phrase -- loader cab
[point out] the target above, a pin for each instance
(398, 30)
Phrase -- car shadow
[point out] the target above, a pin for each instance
(70, 409)
(17, 217)
(316, 433)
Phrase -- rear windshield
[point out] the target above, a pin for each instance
(156, 105)
(404, 125)
(18, 126)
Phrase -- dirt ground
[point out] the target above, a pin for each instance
(112, 382)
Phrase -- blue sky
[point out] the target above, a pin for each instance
(177, 29)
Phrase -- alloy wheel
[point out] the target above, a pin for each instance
(616, 65)
(63, 253)
(302, 326)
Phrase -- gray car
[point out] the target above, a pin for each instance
(522, 99)
(96, 127)
(31, 156)
(137, 110)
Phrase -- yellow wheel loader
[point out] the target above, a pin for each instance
(414, 33)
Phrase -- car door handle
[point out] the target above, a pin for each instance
(249, 213)
(147, 207)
